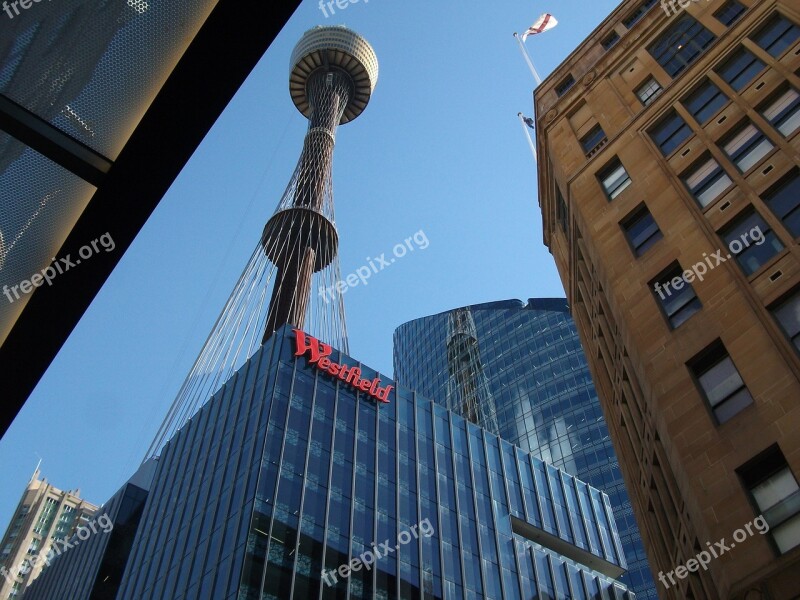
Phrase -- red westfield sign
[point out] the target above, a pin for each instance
(318, 353)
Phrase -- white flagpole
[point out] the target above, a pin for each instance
(526, 129)
(528, 60)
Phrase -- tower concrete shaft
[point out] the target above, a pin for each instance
(301, 240)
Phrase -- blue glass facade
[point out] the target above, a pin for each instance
(540, 394)
(288, 475)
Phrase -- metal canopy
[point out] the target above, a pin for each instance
(92, 96)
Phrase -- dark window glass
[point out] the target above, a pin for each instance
(751, 241)
(746, 146)
(670, 132)
(641, 230)
(730, 12)
(774, 489)
(675, 295)
(648, 91)
(641, 11)
(787, 314)
(565, 85)
(740, 68)
(594, 138)
(614, 178)
(784, 201)
(705, 101)
(681, 44)
(707, 181)
(777, 34)
(562, 213)
(610, 41)
(721, 383)
(783, 111)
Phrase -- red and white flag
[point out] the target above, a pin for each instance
(543, 23)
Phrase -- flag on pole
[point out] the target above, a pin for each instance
(528, 121)
(543, 23)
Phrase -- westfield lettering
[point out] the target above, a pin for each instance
(318, 353)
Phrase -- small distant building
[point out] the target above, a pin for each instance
(44, 514)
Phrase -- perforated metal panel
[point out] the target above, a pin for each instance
(92, 68)
(36, 214)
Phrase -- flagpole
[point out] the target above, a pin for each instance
(528, 60)
(525, 128)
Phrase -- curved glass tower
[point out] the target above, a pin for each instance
(536, 392)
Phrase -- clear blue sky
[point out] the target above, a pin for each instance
(438, 149)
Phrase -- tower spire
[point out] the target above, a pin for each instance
(334, 71)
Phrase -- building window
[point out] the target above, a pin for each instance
(775, 492)
(648, 91)
(729, 13)
(783, 111)
(595, 138)
(783, 200)
(563, 87)
(641, 11)
(670, 132)
(777, 34)
(614, 178)
(681, 44)
(751, 241)
(722, 386)
(705, 101)
(641, 230)
(746, 146)
(707, 181)
(610, 41)
(740, 69)
(562, 214)
(787, 314)
(675, 295)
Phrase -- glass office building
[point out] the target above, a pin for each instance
(293, 482)
(528, 361)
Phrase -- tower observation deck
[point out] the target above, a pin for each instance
(292, 274)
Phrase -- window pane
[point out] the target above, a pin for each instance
(740, 69)
(787, 536)
(728, 409)
(788, 316)
(707, 182)
(720, 381)
(705, 102)
(642, 231)
(615, 179)
(593, 139)
(748, 146)
(777, 35)
(784, 112)
(784, 201)
(670, 132)
(679, 302)
(751, 241)
(649, 91)
(729, 13)
(681, 44)
(775, 489)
